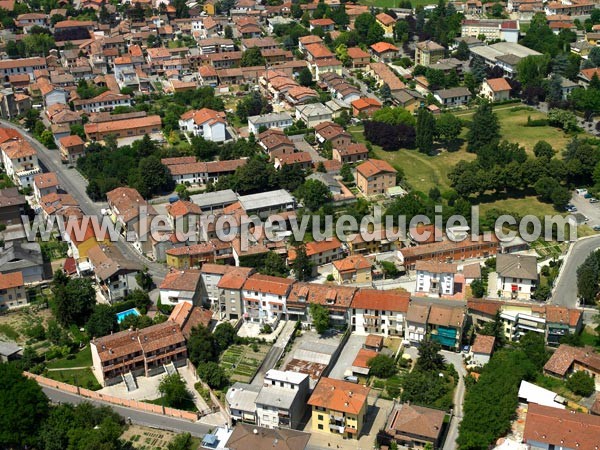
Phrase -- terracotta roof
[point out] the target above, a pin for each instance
(73, 24)
(352, 263)
(268, 284)
(589, 73)
(321, 22)
(363, 357)
(11, 196)
(487, 307)
(472, 270)
(561, 428)
(71, 141)
(178, 160)
(215, 269)
(565, 355)
(235, 278)
(412, 420)
(159, 336)
(203, 248)
(483, 344)
(7, 134)
(374, 340)
(353, 149)
(11, 280)
(365, 102)
(381, 300)
(108, 261)
(339, 395)
(183, 208)
(318, 50)
(330, 130)
(560, 314)
(117, 125)
(429, 46)
(446, 245)
(295, 158)
(310, 39)
(375, 167)
(207, 167)
(334, 297)
(18, 149)
(204, 115)
(246, 436)
(128, 202)
(181, 280)
(381, 47)
(385, 19)
(436, 267)
(187, 317)
(45, 180)
(23, 62)
(446, 316)
(498, 84)
(357, 53)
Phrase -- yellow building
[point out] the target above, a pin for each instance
(386, 22)
(353, 269)
(209, 7)
(339, 407)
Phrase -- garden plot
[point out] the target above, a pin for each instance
(242, 361)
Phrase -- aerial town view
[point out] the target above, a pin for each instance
(299, 225)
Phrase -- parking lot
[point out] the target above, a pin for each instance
(590, 210)
(347, 356)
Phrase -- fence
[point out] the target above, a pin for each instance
(134, 404)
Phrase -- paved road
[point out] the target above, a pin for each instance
(275, 353)
(137, 417)
(565, 290)
(74, 183)
(459, 397)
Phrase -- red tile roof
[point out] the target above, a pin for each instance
(11, 280)
(181, 280)
(483, 344)
(339, 395)
(268, 284)
(381, 47)
(565, 355)
(375, 167)
(373, 299)
(363, 357)
(498, 84)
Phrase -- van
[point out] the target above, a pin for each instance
(581, 191)
(351, 379)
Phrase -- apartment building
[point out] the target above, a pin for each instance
(205, 122)
(10, 67)
(517, 275)
(107, 101)
(20, 161)
(379, 312)
(180, 286)
(266, 121)
(115, 274)
(143, 352)
(12, 206)
(445, 325)
(495, 90)
(129, 128)
(355, 269)
(44, 184)
(336, 299)
(435, 278)
(568, 359)
(201, 173)
(375, 177)
(12, 290)
(264, 298)
(71, 149)
(230, 303)
(428, 52)
(281, 401)
(338, 407)
(416, 322)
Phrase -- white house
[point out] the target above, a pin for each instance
(180, 286)
(379, 312)
(313, 114)
(273, 120)
(106, 101)
(517, 275)
(125, 72)
(416, 322)
(435, 278)
(482, 349)
(281, 402)
(495, 90)
(20, 161)
(453, 97)
(264, 298)
(205, 123)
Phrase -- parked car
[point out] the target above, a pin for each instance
(594, 200)
(596, 228)
(588, 195)
(351, 379)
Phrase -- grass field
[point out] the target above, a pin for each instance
(80, 359)
(9, 331)
(241, 362)
(77, 377)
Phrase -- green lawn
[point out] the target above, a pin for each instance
(78, 377)
(80, 359)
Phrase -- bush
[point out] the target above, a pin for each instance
(382, 366)
(330, 277)
(266, 329)
(581, 383)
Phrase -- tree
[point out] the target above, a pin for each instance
(320, 317)
(202, 346)
(429, 356)
(382, 366)
(425, 131)
(73, 301)
(448, 127)
(228, 32)
(144, 280)
(252, 57)
(542, 149)
(594, 56)
(393, 116)
(484, 129)
(213, 375)
(314, 194)
(477, 288)
(540, 36)
(534, 347)
(224, 335)
(581, 383)
(346, 173)
(154, 177)
(389, 269)
(587, 280)
(305, 77)
(462, 51)
(385, 92)
(102, 321)
(274, 265)
(182, 10)
(182, 441)
(563, 119)
(24, 408)
(140, 298)
(302, 265)
(174, 391)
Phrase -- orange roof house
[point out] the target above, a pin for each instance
(366, 106)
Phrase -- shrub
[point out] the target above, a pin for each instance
(581, 384)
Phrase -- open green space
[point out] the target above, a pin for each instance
(9, 331)
(242, 361)
(82, 358)
(77, 377)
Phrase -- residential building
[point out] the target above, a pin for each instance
(44, 184)
(313, 114)
(136, 352)
(383, 51)
(374, 177)
(482, 349)
(246, 436)
(240, 400)
(229, 286)
(386, 22)
(81, 239)
(354, 269)
(415, 426)
(202, 173)
(517, 275)
(281, 401)
(428, 52)
(365, 106)
(379, 312)
(184, 216)
(206, 123)
(12, 291)
(107, 101)
(188, 317)
(135, 127)
(445, 325)
(435, 278)
(265, 204)
(495, 90)
(319, 253)
(275, 142)
(12, 206)
(547, 427)
(196, 255)
(265, 298)
(384, 75)
(339, 407)
(273, 120)
(359, 57)
(416, 322)
(336, 299)
(23, 65)
(351, 153)
(71, 148)
(453, 97)
(302, 160)
(180, 286)
(115, 274)
(567, 360)
(334, 133)
(20, 161)
(492, 29)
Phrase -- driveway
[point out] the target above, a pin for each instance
(303, 146)
(347, 356)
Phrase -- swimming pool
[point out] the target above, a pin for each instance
(128, 312)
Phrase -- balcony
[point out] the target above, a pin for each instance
(336, 428)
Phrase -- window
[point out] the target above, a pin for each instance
(320, 426)
(320, 416)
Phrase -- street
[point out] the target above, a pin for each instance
(137, 417)
(74, 183)
(459, 396)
